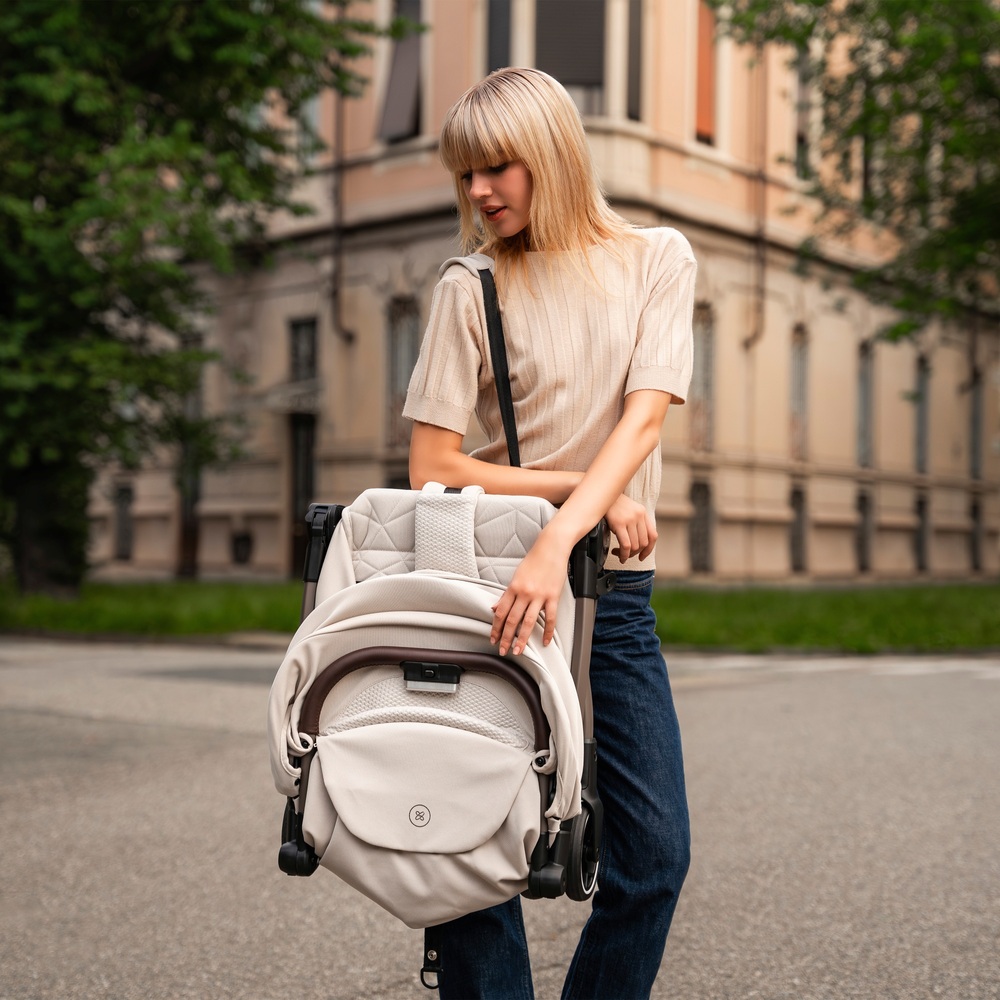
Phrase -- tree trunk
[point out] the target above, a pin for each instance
(51, 527)
(189, 488)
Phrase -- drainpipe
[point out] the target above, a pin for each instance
(760, 205)
(759, 282)
(337, 228)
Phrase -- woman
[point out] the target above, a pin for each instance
(597, 321)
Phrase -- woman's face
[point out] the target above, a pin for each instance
(501, 195)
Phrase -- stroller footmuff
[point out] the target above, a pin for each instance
(430, 773)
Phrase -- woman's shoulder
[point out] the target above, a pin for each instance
(664, 247)
(459, 268)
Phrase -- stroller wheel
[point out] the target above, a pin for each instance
(584, 855)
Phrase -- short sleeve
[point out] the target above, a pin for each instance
(445, 381)
(663, 355)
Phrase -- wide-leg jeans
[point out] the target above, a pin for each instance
(646, 847)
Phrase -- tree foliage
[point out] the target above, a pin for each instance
(137, 138)
(909, 96)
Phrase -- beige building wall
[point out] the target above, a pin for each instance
(797, 455)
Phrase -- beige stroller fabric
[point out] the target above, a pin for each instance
(429, 805)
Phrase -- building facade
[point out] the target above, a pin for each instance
(809, 449)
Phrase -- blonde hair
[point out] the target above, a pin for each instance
(525, 115)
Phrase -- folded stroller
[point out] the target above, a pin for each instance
(421, 767)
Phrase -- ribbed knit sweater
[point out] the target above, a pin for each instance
(580, 336)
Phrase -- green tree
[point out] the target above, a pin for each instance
(909, 95)
(138, 139)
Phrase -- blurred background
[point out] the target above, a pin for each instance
(220, 225)
(225, 223)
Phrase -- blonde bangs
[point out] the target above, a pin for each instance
(473, 139)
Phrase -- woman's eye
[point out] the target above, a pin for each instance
(467, 176)
(499, 168)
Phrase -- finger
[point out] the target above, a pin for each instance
(622, 549)
(551, 609)
(527, 627)
(510, 626)
(500, 612)
(651, 537)
(628, 543)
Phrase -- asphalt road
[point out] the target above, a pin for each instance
(845, 817)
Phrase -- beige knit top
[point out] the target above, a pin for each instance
(578, 340)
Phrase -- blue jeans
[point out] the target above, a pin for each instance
(646, 849)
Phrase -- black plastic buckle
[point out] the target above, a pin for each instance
(321, 520)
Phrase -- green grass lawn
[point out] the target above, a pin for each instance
(170, 608)
(858, 620)
(757, 619)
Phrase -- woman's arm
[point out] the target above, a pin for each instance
(538, 581)
(436, 456)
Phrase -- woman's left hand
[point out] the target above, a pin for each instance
(633, 527)
(534, 590)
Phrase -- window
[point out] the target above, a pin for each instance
(303, 481)
(498, 34)
(123, 522)
(401, 113)
(701, 392)
(704, 128)
(635, 60)
(921, 534)
(976, 425)
(797, 530)
(976, 536)
(921, 399)
(302, 349)
(799, 407)
(863, 532)
(803, 113)
(865, 390)
(241, 545)
(700, 528)
(404, 345)
(571, 48)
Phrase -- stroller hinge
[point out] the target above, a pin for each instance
(432, 961)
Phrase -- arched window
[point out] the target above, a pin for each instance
(701, 393)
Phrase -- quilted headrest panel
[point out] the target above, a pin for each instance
(381, 526)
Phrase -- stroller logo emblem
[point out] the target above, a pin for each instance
(420, 815)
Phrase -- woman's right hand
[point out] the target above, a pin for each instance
(633, 527)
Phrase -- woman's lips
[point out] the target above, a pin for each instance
(493, 214)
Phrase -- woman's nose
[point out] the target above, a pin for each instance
(479, 186)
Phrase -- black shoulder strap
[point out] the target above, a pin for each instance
(501, 373)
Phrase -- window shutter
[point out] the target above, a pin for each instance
(705, 86)
(401, 113)
(569, 41)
